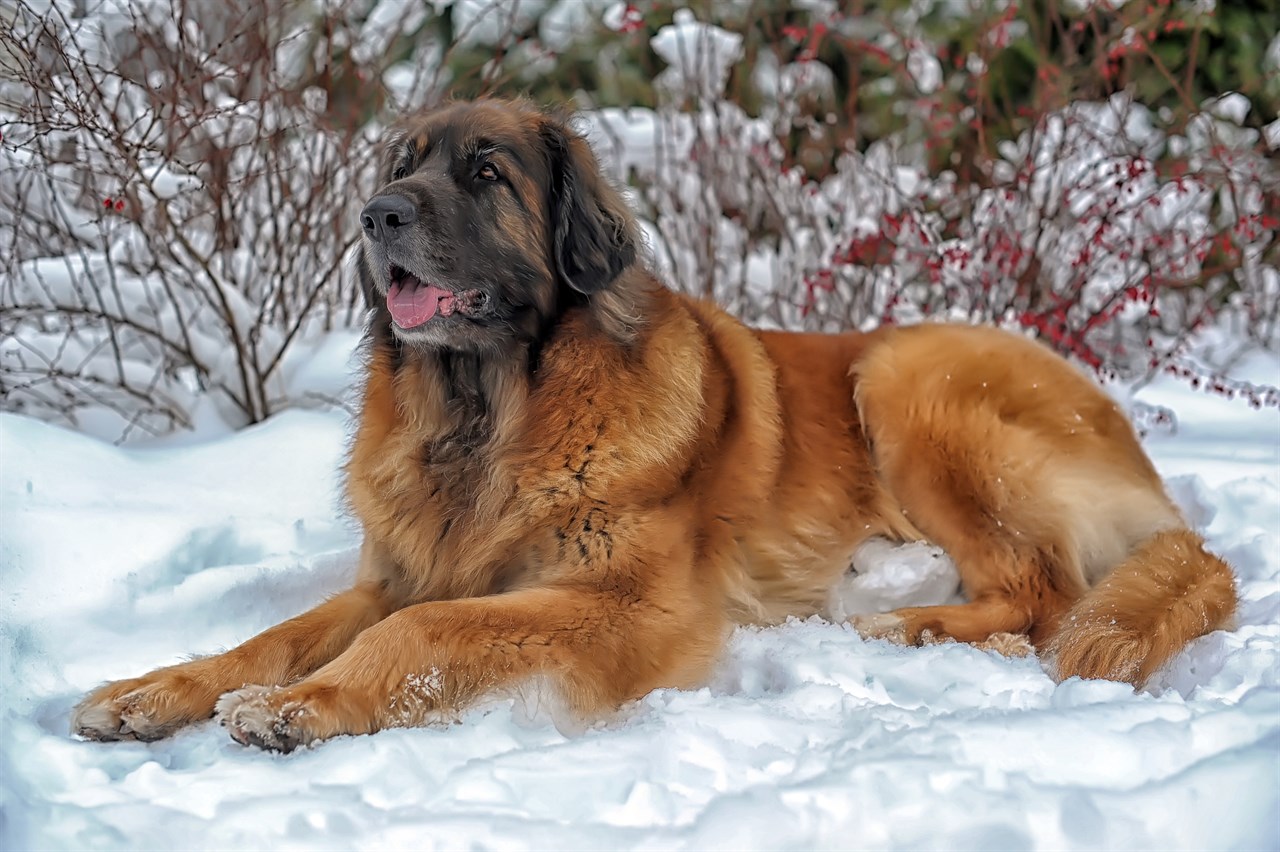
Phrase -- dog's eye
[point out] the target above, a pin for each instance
(488, 171)
(400, 173)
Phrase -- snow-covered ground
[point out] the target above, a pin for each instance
(116, 561)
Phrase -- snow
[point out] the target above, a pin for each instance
(1232, 106)
(387, 20)
(699, 55)
(925, 70)
(486, 22)
(166, 184)
(119, 560)
(564, 23)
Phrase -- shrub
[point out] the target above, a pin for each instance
(997, 166)
(177, 192)
(179, 182)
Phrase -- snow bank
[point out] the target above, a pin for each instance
(117, 561)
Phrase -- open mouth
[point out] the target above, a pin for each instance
(413, 302)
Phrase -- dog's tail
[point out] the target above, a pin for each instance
(1168, 591)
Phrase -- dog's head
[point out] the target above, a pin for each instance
(492, 219)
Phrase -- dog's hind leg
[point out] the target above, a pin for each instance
(1016, 575)
(1009, 603)
(1034, 482)
(972, 469)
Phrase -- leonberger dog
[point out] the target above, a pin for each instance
(568, 473)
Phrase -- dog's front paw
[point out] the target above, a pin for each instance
(281, 718)
(142, 708)
(263, 716)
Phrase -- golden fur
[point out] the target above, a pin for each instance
(642, 490)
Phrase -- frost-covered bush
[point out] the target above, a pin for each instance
(177, 199)
(179, 179)
(1109, 229)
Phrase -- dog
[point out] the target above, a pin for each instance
(566, 472)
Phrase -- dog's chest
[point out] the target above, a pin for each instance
(431, 502)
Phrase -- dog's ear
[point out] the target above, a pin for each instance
(593, 232)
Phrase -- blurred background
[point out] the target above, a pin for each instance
(180, 179)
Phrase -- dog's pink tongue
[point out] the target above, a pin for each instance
(414, 304)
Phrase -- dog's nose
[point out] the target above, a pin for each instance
(383, 215)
